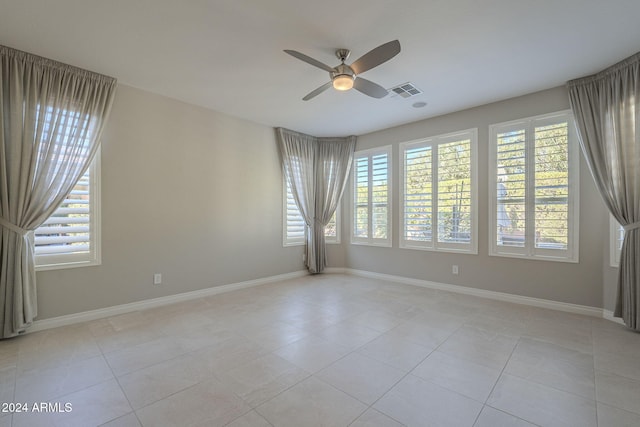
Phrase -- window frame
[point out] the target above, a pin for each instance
(46, 262)
(529, 251)
(435, 141)
(372, 241)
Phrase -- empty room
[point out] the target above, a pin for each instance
(295, 213)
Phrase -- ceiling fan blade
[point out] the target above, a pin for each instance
(309, 60)
(369, 88)
(377, 56)
(317, 91)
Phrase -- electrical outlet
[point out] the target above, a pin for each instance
(157, 279)
(454, 269)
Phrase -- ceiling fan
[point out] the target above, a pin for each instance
(345, 77)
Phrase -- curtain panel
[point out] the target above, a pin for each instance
(606, 107)
(51, 119)
(297, 157)
(334, 157)
(317, 170)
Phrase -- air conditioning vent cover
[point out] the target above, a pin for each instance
(405, 90)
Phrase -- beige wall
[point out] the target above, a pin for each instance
(197, 196)
(186, 192)
(579, 283)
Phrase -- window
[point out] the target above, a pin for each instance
(616, 237)
(371, 202)
(332, 230)
(534, 177)
(70, 237)
(439, 192)
(294, 226)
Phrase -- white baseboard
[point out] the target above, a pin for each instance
(40, 325)
(500, 296)
(608, 314)
(336, 270)
(55, 322)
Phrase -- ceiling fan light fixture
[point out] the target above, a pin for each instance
(343, 82)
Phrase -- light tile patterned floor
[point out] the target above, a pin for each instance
(330, 350)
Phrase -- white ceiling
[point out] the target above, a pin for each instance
(227, 55)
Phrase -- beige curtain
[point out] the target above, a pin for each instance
(334, 157)
(297, 156)
(317, 170)
(607, 112)
(51, 118)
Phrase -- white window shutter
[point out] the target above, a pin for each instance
(534, 179)
(294, 222)
(70, 237)
(371, 201)
(439, 192)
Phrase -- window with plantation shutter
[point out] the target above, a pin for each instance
(438, 193)
(294, 226)
(534, 188)
(332, 230)
(371, 202)
(70, 236)
(616, 233)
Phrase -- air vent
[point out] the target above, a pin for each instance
(405, 90)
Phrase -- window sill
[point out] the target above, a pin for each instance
(380, 245)
(570, 260)
(289, 245)
(469, 251)
(67, 265)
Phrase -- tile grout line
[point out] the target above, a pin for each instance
(552, 386)
(121, 390)
(410, 371)
(496, 383)
(134, 411)
(313, 375)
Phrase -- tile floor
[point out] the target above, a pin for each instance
(330, 350)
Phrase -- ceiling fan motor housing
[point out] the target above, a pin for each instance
(343, 70)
